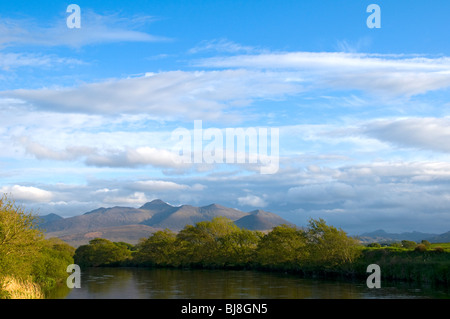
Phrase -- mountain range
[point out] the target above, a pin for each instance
(381, 236)
(131, 224)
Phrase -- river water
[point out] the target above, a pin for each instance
(141, 283)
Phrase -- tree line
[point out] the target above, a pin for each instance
(219, 243)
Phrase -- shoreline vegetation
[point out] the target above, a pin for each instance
(319, 251)
(31, 266)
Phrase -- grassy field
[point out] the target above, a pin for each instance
(445, 246)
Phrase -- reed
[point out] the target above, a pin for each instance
(14, 288)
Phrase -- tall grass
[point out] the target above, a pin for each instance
(14, 288)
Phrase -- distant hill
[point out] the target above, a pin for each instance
(130, 224)
(260, 220)
(128, 233)
(442, 238)
(383, 236)
(46, 220)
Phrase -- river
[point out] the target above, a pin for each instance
(142, 283)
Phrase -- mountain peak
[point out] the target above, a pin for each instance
(214, 206)
(257, 212)
(155, 204)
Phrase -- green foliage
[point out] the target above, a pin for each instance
(238, 248)
(319, 249)
(200, 245)
(328, 246)
(408, 244)
(158, 250)
(284, 247)
(375, 245)
(395, 245)
(426, 243)
(50, 268)
(420, 247)
(407, 265)
(101, 252)
(24, 252)
(439, 249)
(20, 241)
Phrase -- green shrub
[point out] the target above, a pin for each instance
(409, 244)
(420, 248)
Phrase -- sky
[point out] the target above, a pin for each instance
(352, 122)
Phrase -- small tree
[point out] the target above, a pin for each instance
(20, 241)
(201, 244)
(239, 246)
(100, 252)
(284, 246)
(409, 244)
(420, 248)
(328, 246)
(159, 249)
(426, 243)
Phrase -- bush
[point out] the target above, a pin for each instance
(420, 248)
(27, 259)
(374, 245)
(101, 252)
(426, 243)
(439, 249)
(409, 244)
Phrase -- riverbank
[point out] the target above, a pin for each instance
(320, 251)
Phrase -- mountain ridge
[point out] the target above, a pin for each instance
(148, 218)
(381, 235)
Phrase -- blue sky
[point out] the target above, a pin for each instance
(87, 115)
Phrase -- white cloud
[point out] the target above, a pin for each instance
(252, 200)
(42, 152)
(95, 156)
(222, 46)
(392, 75)
(141, 156)
(156, 185)
(137, 198)
(27, 193)
(95, 29)
(10, 61)
(422, 133)
(212, 95)
(168, 95)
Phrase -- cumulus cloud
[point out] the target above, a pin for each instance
(137, 198)
(95, 156)
(422, 133)
(252, 200)
(27, 193)
(140, 156)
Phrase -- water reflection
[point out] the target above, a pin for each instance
(139, 283)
